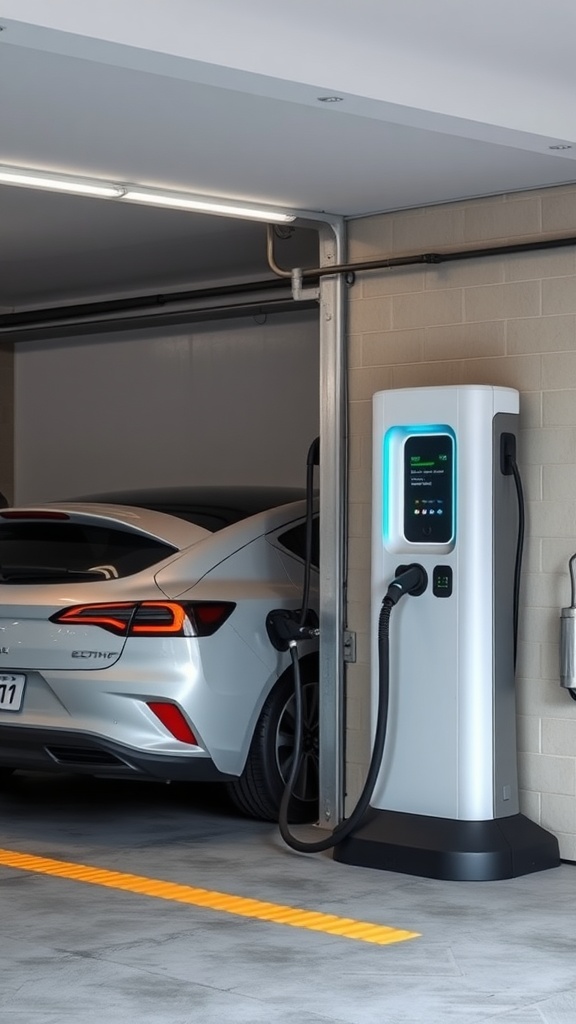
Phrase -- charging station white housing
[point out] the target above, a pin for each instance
(445, 803)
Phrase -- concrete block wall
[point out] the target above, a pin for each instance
(502, 320)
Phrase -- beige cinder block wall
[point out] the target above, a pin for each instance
(7, 421)
(504, 320)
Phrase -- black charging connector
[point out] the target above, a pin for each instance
(507, 454)
(285, 627)
(409, 579)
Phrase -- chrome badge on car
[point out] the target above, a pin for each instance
(94, 654)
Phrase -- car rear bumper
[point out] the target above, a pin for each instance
(66, 751)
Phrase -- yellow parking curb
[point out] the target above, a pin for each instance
(346, 927)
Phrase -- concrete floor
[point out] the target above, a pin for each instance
(77, 953)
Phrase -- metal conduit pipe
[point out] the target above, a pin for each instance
(169, 318)
(154, 304)
(157, 303)
(389, 263)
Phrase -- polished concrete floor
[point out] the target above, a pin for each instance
(78, 953)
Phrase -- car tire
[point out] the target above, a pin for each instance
(258, 791)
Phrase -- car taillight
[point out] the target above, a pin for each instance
(150, 618)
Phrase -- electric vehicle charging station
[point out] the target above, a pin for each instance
(445, 800)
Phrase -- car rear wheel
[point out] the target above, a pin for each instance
(258, 791)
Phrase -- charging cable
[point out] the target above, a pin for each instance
(412, 580)
(519, 552)
(312, 459)
(509, 467)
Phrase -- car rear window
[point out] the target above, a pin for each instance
(295, 541)
(70, 548)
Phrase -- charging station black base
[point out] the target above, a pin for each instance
(415, 844)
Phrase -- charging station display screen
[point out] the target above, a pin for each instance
(428, 484)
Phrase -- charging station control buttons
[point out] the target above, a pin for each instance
(442, 581)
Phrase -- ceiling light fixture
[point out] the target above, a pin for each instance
(29, 178)
(206, 204)
(58, 183)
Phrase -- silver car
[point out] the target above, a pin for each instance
(133, 640)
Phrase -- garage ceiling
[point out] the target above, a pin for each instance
(438, 102)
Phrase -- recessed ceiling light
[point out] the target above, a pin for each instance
(330, 99)
(560, 146)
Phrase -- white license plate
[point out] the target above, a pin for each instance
(11, 691)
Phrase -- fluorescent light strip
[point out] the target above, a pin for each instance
(109, 190)
(36, 179)
(206, 205)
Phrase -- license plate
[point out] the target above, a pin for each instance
(11, 691)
